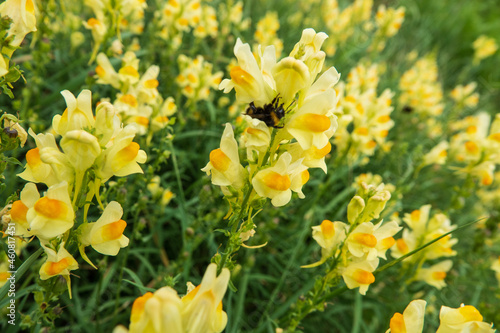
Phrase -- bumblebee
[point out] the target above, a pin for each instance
(270, 113)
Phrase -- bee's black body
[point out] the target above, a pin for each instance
(270, 114)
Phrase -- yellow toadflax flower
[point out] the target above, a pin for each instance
(435, 274)
(202, 306)
(466, 318)
(360, 274)
(45, 163)
(224, 165)
(199, 311)
(278, 181)
(106, 234)
(19, 210)
(58, 263)
(53, 214)
(78, 114)
(122, 158)
(22, 13)
(412, 319)
(484, 47)
(328, 235)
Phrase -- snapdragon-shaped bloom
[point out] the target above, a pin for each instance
(106, 234)
(199, 311)
(314, 123)
(22, 13)
(224, 165)
(105, 72)
(19, 210)
(466, 318)
(435, 274)
(53, 214)
(412, 319)
(78, 114)
(38, 169)
(278, 182)
(372, 240)
(251, 83)
(328, 235)
(156, 312)
(59, 262)
(202, 306)
(359, 274)
(122, 158)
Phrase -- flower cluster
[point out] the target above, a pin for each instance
(465, 96)
(180, 16)
(477, 145)
(289, 120)
(368, 113)
(388, 21)
(348, 20)
(198, 311)
(466, 318)
(356, 247)
(422, 229)
(265, 34)
(138, 103)
(420, 90)
(114, 15)
(93, 150)
(196, 78)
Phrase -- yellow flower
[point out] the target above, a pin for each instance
(18, 212)
(37, 168)
(156, 313)
(359, 274)
(437, 155)
(257, 136)
(308, 50)
(22, 13)
(466, 318)
(51, 215)
(105, 72)
(328, 235)
(147, 85)
(435, 274)
(106, 234)
(278, 181)
(78, 114)
(412, 319)
(314, 123)
(372, 240)
(251, 83)
(202, 306)
(484, 47)
(224, 165)
(122, 157)
(81, 148)
(199, 311)
(128, 73)
(98, 29)
(107, 123)
(58, 263)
